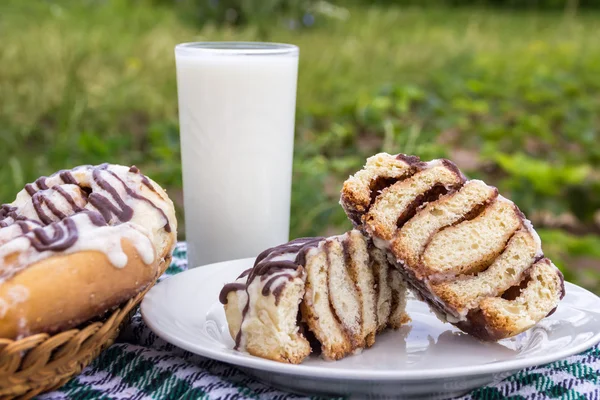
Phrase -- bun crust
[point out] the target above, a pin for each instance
(63, 291)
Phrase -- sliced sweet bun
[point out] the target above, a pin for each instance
(360, 271)
(398, 316)
(502, 317)
(270, 325)
(410, 241)
(343, 294)
(506, 271)
(95, 235)
(475, 243)
(463, 249)
(234, 299)
(317, 310)
(345, 313)
(344, 290)
(63, 291)
(384, 296)
(398, 203)
(262, 305)
(381, 171)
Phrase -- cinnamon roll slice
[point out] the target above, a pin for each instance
(261, 306)
(381, 171)
(338, 291)
(467, 251)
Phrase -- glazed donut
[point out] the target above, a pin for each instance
(79, 243)
(463, 248)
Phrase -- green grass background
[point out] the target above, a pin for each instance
(513, 96)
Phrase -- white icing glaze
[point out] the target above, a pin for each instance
(27, 209)
(9, 233)
(438, 162)
(17, 294)
(381, 244)
(242, 298)
(146, 226)
(105, 239)
(253, 292)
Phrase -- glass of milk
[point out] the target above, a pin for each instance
(236, 111)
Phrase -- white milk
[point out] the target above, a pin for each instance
(236, 114)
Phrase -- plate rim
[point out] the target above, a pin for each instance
(254, 362)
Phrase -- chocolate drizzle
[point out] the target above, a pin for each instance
(40, 198)
(432, 194)
(238, 337)
(7, 215)
(267, 286)
(30, 189)
(413, 161)
(106, 207)
(121, 211)
(144, 178)
(230, 287)
(54, 229)
(265, 267)
(41, 183)
(67, 177)
(65, 235)
(69, 199)
(245, 273)
(56, 237)
(381, 182)
(270, 268)
(290, 247)
(96, 218)
(274, 269)
(133, 194)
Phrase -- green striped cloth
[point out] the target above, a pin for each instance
(143, 366)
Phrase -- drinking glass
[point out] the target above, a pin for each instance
(237, 104)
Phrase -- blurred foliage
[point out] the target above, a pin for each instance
(261, 14)
(576, 256)
(568, 5)
(511, 96)
(528, 125)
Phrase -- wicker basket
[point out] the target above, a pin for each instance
(42, 362)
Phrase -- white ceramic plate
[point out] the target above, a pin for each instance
(427, 358)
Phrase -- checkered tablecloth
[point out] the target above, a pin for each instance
(142, 366)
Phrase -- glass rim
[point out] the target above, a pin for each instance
(236, 48)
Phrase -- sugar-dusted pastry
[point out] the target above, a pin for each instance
(337, 289)
(78, 243)
(463, 248)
